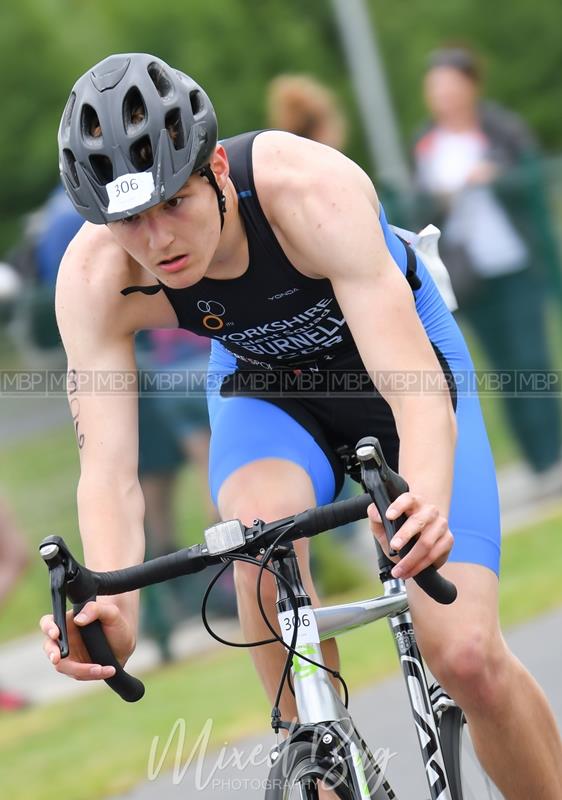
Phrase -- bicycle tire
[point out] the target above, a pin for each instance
(298, 767)
(467, 778)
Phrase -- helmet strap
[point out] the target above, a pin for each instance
(208, 173)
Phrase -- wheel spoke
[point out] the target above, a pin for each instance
(477, 785)
(467, 777)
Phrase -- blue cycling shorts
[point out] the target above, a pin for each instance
(308, 428)
(308, 431)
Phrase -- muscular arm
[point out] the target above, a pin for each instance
(337, 235)
(97, 326)
(379, 307)
(98, 339)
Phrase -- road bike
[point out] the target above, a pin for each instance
(323, 753)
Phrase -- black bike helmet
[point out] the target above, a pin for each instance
(132, 133)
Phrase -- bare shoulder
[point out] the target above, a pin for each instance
(94, 264)
(314, 198)
(93, 272)
(289, 169)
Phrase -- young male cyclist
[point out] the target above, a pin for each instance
(278, 249)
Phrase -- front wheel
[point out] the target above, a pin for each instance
(299, 773)
(467, 778)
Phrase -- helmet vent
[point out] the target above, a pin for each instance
(134, 110)
(160, 80)
(175, 129)
(196, 100)
(68, 111)
(103, 168)
(90, 123)
(71, 170)
(142, 157)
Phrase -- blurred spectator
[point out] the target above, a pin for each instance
(59, 223)
(36, 258)
(173, 413)
(14, 559)
(301, 105)
(478, 174)
(173, 429)
(10, 289)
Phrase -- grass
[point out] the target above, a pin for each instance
(9, 358)
(38, 477)
(95, 746)
(530, 570)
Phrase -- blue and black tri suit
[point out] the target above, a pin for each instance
(286, 380)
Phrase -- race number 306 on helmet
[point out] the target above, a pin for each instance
(133, 131)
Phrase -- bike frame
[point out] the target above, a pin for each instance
(318, 703)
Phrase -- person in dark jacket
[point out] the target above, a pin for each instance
(478, 173)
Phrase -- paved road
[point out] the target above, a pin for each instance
(381, 714)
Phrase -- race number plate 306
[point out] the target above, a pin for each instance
(306, 624)
(129, 192)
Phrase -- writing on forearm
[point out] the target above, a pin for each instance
(74, 402)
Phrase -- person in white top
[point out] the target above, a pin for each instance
(476, 168)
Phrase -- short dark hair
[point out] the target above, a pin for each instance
(458, 57)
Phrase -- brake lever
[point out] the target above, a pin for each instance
(375, 475)
(384, 485)
(56, 556)
(69, 578)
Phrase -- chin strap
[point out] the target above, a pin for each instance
(208, 173)
(144, 289)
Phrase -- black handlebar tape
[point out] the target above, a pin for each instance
(323, 518)
(191, 559)
(184, 562)
(127, 686)
(430, 580)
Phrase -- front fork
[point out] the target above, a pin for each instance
(420, 702)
